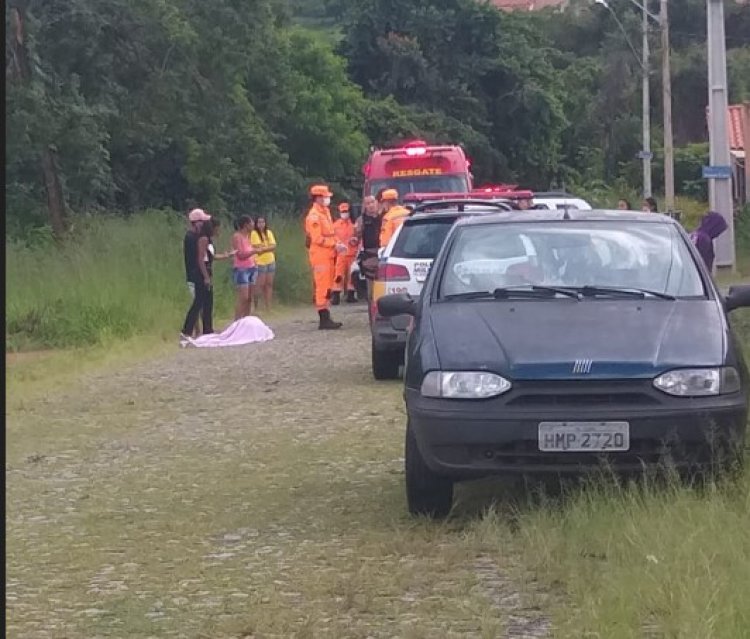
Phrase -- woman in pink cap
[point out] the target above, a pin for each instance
(196, 217)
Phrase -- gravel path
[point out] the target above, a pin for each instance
(245, 492)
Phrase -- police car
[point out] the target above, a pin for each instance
(404, 265)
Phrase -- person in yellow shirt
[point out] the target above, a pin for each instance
(393, 215)
(262, 238)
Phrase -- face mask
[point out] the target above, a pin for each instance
(344, 216)
(326, 201)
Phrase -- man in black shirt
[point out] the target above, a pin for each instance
(368, 232)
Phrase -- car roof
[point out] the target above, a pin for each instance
(572, 198)
(555, 195)
(448, 213)
(556, 215)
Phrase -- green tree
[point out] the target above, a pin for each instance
(470, 63)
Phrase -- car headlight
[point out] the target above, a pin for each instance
(464, 385)
(699, 382)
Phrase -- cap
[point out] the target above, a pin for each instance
(389, 194)
(320, 190)
(198, 215)
(344, 207)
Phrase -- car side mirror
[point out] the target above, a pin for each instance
(738, 297)
(397, 304)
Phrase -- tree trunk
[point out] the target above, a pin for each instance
(55, 197)
(19, 61)
(20, 71)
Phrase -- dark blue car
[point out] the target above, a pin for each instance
(555, 341)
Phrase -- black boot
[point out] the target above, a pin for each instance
(350, 297)
(335, 298)
(326, 323)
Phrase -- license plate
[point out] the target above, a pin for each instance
(421, 270)
(577, 437)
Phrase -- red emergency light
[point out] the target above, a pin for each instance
(497, 188)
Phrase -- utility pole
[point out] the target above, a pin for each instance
(667, 104)
(720, 188)
(646, 94)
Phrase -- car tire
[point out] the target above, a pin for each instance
(385, 363)
(426, 492)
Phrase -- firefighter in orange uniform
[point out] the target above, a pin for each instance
(393, 215)
(322, 250)
(347, 235)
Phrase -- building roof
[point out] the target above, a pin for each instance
(738, 115)
(737, 126)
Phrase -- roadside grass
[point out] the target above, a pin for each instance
(117, 277)
(645, 559)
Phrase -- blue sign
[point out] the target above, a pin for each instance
(645, 155)
(717, 172)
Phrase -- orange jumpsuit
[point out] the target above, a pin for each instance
(346, 233)
(322, 252)
(393, 218)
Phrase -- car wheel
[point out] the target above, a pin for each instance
(385, 363)
(426, 492)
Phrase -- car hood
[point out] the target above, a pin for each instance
(545, 339)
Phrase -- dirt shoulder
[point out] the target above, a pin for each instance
(246, 492)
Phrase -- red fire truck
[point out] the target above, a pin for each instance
(417, 167)
(421, 172)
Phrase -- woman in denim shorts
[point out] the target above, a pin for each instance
(245, 271)
(262, 239)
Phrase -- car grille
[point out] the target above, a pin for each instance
(583, 393)
(582, 399)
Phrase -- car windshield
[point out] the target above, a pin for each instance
(422, 239)
(590, 255)
(422, 184)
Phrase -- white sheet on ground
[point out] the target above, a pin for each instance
(246, 330)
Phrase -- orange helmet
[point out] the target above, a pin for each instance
(320, 190)
(344, 207)
(389, 194)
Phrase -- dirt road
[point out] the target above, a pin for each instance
(249, 492)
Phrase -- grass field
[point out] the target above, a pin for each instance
(120, 277)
